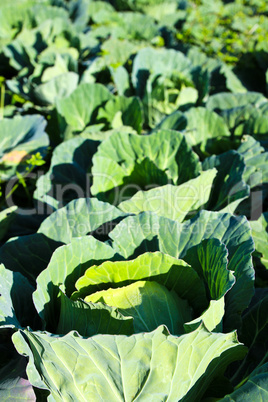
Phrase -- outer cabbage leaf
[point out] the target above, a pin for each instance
(233, 83)
(6, 218)
(257, 125)
(16, 306)
(79, 218)
(229, 187)
(22, 133)
(28, 254)
(260, 236)
(31, 254)
(173, 202)
(212, 317)
(91, 318)
(21, 52)
(14, 384)
(20, 136)
(225, 100)
(205, 128)
(81, 106)
(254, 389)
(174, 121)
(247, 119)
(18, 388)
(256, 161)
(44, 11)
(69, 174)
(209, 260)
(67, 264)
(121, 80)
(60, 86)
(253, 335)
(256, 177)
(133, 163)
(94, 132)
(186, 362)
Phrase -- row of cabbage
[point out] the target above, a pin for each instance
(133, 205)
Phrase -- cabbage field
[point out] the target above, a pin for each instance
(134, 200)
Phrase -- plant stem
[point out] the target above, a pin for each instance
(2, 101)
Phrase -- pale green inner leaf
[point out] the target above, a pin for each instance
(149, 303)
